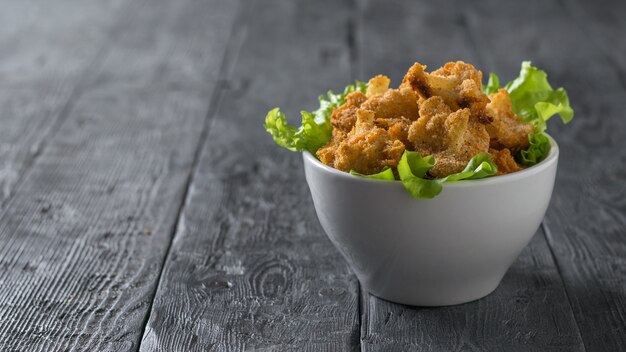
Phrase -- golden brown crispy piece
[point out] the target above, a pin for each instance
(394, 103)
(504, 161)
(391, 104)
(452, 137)
(344, 117)
(398, 128)
(386, 104)
(377, 85)
(457, 83)
(326, 154)
(366, 149)
(506, 130)
(443, 113)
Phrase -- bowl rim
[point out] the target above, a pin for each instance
(533, 170)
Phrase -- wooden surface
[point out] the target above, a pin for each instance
(256, 269)
(143, 207)
(89, 225)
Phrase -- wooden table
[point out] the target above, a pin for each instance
(143, 206)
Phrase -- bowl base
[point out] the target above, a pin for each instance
(438, 300)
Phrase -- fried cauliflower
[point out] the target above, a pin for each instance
(457, 83)
(450, 136)
(366, 149)
(443, 113)
(506, 129)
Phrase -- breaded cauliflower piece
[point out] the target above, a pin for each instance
(386, 104)
(504, 161)
(394, 103)
(457, 83)
(377, 85)
(452, 137)
(344, 117)
(443, 113)
(506, 130)
(366, 149)
(398, 128)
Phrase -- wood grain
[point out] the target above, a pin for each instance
(602, 23)
(250, 268)
(87, 230)
(173, 43)
(104, 105)
(529, 311)
(429, 33)
(585, 222)
(46, 52)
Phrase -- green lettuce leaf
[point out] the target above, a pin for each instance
(418, 166)
(412, 169)
(493, 85)
(534, 101)
(533, 98)
(310, 136)
(414, 183)
(315, 130)
(538, 150)
(480, 166)
(386, 174)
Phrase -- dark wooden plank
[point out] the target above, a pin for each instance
(45, 41)
(586, 220)
(173, 43)
(602, 22)
(529, 311)
(86, 233)
(432, 34)
(250, 268)
(46, 49)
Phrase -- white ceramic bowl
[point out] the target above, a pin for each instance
(452, 249)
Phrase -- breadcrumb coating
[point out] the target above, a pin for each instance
(344, 117)
(504, 161)
(457, 83)
(443, 113)
(366, 149)
(450, 136)
(377, 85)
(394, 103)
(506, 130)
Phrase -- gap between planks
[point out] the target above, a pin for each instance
(235, 41)
(471, 36)
(547, 234)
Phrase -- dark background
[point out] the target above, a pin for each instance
(143, 206)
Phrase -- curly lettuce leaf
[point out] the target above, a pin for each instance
(412, 169)
(310, 136)
(386, 174)
(315, 130)
(480, 166)
(533, 98)
(537, 151)
(418, 166)
(534, 101)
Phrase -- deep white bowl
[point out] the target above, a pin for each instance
(452, 249)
